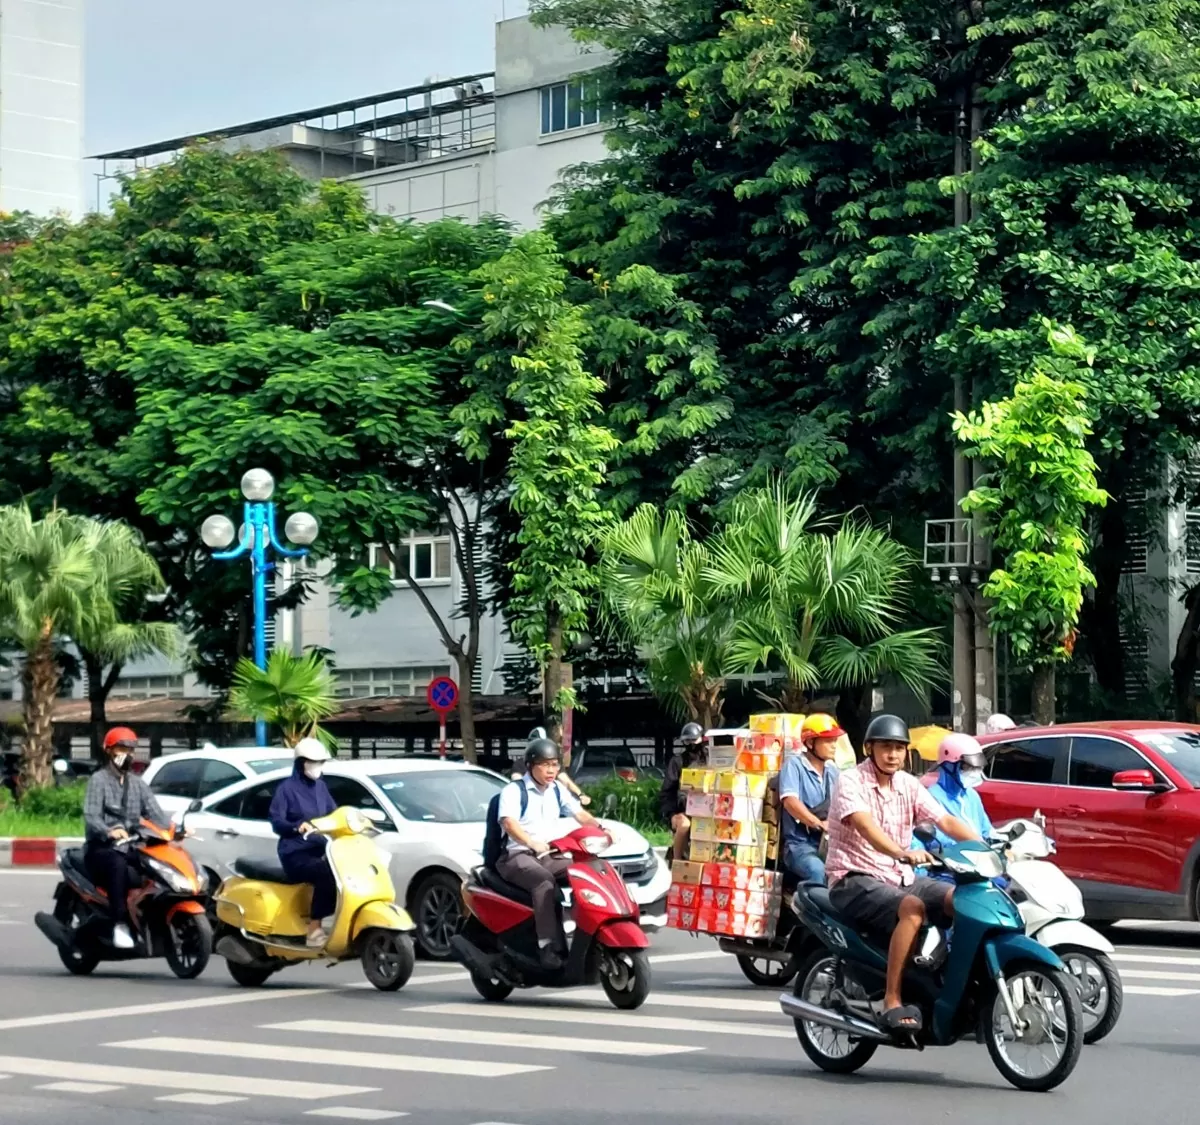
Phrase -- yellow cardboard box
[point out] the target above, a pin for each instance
(742, 784)
(687, 871)
(707, 828)
(697, 780)
(724, 806)
(744, 855)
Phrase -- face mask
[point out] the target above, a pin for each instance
(122, 761)
(312, 770)
(971, 779)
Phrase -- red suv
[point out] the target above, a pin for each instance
(1122, 801)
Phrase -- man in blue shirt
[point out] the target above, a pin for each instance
(805, 791)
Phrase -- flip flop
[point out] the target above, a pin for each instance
(905, 1019)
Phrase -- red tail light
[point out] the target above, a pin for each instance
(627, 774)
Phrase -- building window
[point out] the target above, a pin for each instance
(428, 558)
(359, 683)
(572, 105)
(148, 687)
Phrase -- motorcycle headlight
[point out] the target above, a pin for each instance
(595, 844)
(201, 879)
(356, 822)
(174, 879)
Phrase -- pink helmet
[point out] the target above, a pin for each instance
(961, 748)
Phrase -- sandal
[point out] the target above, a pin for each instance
(905, 1019)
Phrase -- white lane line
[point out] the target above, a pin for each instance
(78, 1087)
(1148, 960)
(485, 1038)
(679, 1000)
(1147, 990)
(668, 958)
(1151, 974)
(363, 1060)
(354, 1113)
(199, 1099)
(530, 1013)
(181, 1080)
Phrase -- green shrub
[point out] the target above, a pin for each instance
(637, 801)
(55, 802)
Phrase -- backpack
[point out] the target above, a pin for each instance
(493, 835)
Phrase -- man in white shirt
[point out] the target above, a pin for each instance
(529, 812)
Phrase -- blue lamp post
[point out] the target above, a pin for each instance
(257, 535)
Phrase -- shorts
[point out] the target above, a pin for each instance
(874, 905)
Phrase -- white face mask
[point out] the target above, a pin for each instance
(971, 779)
(119, 760)
(312, 770)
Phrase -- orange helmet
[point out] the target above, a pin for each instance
(120, 736)
(819, 725)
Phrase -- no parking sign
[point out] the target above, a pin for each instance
(442, 694)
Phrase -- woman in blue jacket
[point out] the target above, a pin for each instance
(298, 801)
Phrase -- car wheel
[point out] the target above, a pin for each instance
(437, 914)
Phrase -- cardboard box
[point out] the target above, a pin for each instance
(759, 761)
(706, 828)
(688, 895)
(735, 898)
(697, 780)
(702, 851)
(747, 878)
(684, 871)
(742, 784)
(735, 923)
(744, 855)
(773, 723)
(724, 806)
(680, 918)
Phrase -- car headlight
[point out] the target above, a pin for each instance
(201, 879)
(174, 879)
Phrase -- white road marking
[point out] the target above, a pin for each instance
(78, 1087)
(181, 1080)
(679, 1000)
(1148, 960)
(484, 1038)
(1148, 990)
(354, 1113)
(532, 1014)
(363, 1060)
(1151, 974)
(668, 958)
(199, 1099)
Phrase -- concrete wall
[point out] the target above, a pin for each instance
(462, 186)
(41, 106)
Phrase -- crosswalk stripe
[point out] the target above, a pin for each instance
(200, 1099)
(1147, 990)
(485, 1038)
(354, 1113)
(78, 1087)
(533, 1014)
(677, 1000)
(179, 1080)
(364, 1060)
(1146, 959)
(1152, 974)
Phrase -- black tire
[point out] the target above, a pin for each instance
(78, 962)
(859, 1055)
(1072, 1017)
(188, 945)
(249, 976)
(491, 990)
(1114, 990)
(438, 914)
(625, 976)
(779, 974)
(387, 959)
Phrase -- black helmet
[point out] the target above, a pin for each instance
(691, 734)
(887, 728)
(541, 750)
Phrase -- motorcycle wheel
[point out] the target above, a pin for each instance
(835, 1052)
(773, 974)
(1100, 989)
(491, 990)
(189, 944)
(76, 961)
(625, 975)
(1047, 1002)
(387, 959)
(248, 976)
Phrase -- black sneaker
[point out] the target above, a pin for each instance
(552, 962)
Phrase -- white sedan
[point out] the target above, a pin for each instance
(432, 816)
(179, 779)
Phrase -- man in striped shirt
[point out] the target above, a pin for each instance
(869, 865)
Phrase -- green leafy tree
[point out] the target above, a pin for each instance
(1036, 496)
(292, 693)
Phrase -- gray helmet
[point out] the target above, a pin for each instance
(887, 728)
(692, 734)
(541, 750)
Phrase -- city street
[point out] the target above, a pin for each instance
(134, 1045)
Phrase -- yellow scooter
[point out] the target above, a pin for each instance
(262, 917)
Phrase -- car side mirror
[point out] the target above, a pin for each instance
(1142, 781)
(375, 816)
(925, 832)
(195, 806)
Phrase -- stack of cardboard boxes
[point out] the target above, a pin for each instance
(730, 883)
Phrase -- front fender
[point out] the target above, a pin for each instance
(380, 916)
(1002, 949)
(1069, 932)
(623, 935)
(187, 906)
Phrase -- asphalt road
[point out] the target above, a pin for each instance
(134, 1046)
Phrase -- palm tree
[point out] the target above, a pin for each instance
(293, 693)
(54, 587)
(822, 599)
(658, 599)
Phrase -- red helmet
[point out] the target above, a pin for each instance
(120, 736)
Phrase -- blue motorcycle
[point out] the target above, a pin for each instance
(989, 982)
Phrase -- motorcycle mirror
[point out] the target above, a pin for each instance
(925, 832)
(610, 805)
(1016, 831)
(375, 816)
(195, 806)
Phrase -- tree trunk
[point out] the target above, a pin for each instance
(854, 713)
(99, 686)
(1043, 694)
(42, 676)
(466, 707)
(1187, 657)
(555, 677)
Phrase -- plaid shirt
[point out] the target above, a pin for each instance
(110, 803)
(897, 809)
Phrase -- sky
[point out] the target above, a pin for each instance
(157, 69)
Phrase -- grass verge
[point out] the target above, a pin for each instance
(16, 823)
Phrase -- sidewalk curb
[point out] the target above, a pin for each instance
(35, 851)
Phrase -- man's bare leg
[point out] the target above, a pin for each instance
(911, 917)
(683, 828)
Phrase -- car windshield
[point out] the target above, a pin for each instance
(266, 765)
(1179, 748)
(609, 757)
(441, 796)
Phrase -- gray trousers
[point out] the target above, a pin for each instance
(540, 878)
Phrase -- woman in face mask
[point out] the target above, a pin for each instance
(959, 775)
(298, 801)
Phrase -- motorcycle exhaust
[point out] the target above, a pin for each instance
(55, 930)
(799, 1009)
(236, 951)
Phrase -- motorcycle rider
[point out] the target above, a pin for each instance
(805, 789)
(526, 862)
(115, 803)
(299, 800)
(959, 775)
(671, 801)
(565, 778)
(871, 883)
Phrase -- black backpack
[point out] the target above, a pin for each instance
(493, 836)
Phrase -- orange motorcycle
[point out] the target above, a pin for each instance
(167, 909)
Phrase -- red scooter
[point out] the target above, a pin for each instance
(498, 944)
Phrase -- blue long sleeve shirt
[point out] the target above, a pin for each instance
(296, 801)
(961, 802)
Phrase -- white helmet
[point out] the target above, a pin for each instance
(311, 750)
(998, 723)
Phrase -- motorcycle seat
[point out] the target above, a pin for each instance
(264, 870)
(819, 897)
(494, 882)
